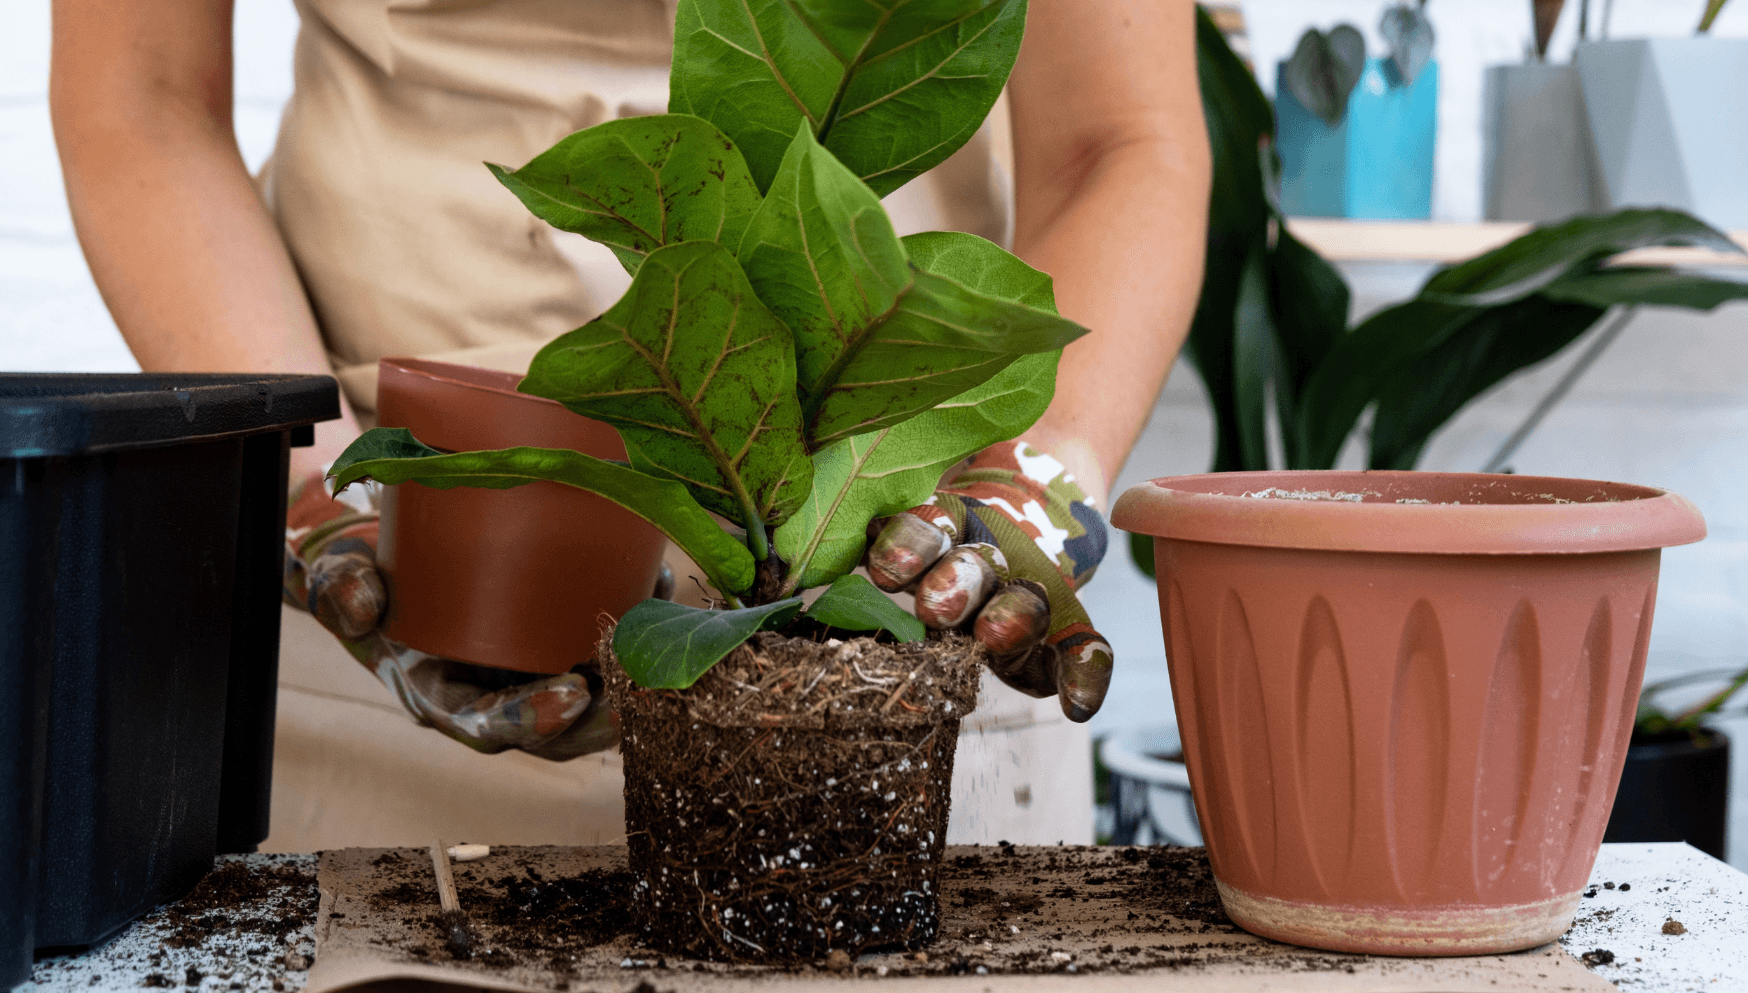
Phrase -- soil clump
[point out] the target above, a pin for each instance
(793, 802)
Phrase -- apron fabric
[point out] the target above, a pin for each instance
(408, 247)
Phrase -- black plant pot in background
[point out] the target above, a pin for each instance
(1675, 787)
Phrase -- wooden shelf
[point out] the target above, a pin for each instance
(1439, 241)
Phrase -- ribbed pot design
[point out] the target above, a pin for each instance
(1394, 748)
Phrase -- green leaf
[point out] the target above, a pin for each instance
(698, 377)
(892, 469)
(639, 183)
(1535, 260)
(878, 340)
(1141, 552)
(1309, 308)
(667, 646)
(393, 455)
(854, 604)
(1421, 394)
(1253, 350)
(1350, 376)
(891, 87)
(1324, 70)
(1647, 286)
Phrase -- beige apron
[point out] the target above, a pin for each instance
(408, 246)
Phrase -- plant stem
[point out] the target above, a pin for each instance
(755, 528)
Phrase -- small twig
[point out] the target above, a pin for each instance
(878, 680)
(894, 697)
(453, 921)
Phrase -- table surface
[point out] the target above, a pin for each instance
(1663, 883)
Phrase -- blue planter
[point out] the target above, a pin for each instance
(1377, 163)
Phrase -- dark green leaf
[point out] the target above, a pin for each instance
(667, 646)
(854, 604)
(698, 377)
(393, 455)
(1428, 390)
(1358, 367)
(891, 87)
(1253, 350)
(878, 339)
(1527, 264)
(639, 183)
(1141, 551)
(1310, 316)
(1648, 286)
(1324, 70)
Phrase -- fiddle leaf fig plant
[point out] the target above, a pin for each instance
(782, 359)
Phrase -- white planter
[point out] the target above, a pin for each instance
(1669, 121)
(1537, 163)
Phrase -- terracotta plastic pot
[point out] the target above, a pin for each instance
(1405, 697)
(516, 579)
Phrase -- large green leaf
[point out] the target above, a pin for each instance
(1647, 286)
(1527, 264)
(667, 646)
(854, 604)
(885, 471)
(1253, 358)
(698, 377)
(878, 340)
(1424, 392)
(892, 87)
(639, 183)
(1310, 306)
(1357, 368)
(393, 455)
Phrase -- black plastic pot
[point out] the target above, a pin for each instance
(1675, 787)
(142, 522)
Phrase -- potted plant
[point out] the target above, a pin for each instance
(1664, 130)
(1357, 134)
(1537, 162)
(783, 362)
(1675, 785)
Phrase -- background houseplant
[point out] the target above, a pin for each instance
(1271, 340)
(784, 361)
(1356, 134)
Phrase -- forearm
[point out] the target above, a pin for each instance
(181, 247)
(1125, 252)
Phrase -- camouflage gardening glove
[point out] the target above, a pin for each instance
(330, 571)
(1008, 542)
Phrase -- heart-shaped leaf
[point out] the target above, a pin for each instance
(892, 87)
(667, 646)
(891, 469)
(1409, 36)
(878, 340)
(639, 183)
(854, 604)
(393, 455)
(698, 377)
(1324, 70)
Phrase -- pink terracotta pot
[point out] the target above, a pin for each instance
(1405, 697)
(521, 578)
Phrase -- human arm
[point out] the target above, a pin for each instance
(183, 250)
(1112, 179)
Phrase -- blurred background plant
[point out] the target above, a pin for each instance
(1286, 378)
(1655, 718)
(1327, 65)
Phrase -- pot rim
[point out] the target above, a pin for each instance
(466, 377)
(1465, 513)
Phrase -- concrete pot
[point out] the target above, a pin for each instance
(514, 579)
(1670, 124)
(1405, 696)
(1537, 162)
(1377, 163)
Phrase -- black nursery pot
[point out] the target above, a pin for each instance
(1675, 787)
(142, 531)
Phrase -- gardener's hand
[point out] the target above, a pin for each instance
(330, 571)
(1004, 547)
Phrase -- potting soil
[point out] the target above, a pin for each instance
(793, 802)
